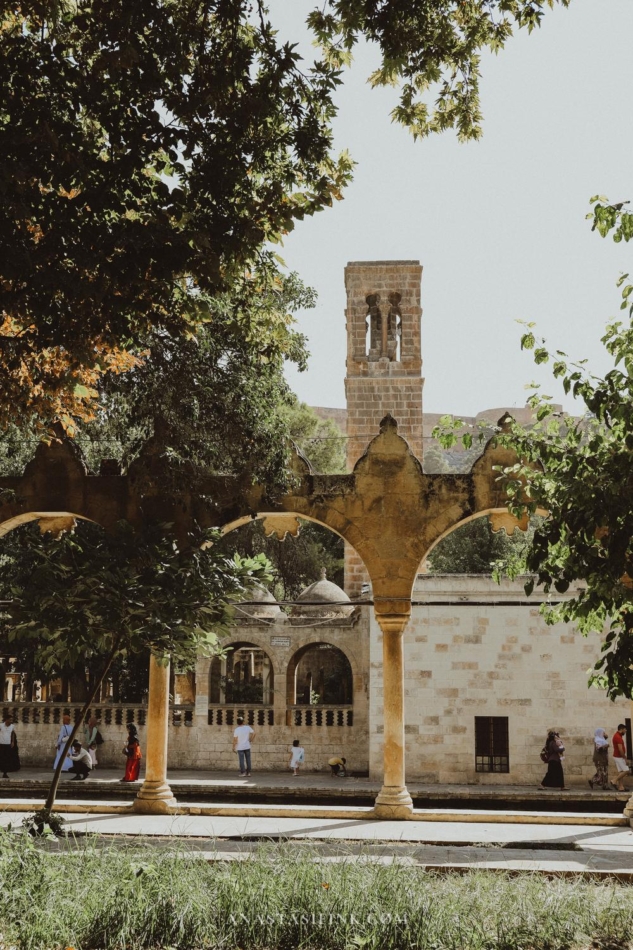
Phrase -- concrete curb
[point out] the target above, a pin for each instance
(473, 816)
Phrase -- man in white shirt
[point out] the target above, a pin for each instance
(82, 763)
(242, 738)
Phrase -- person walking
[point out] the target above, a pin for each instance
(553, 750)
(242, 738)
(600, 759)
(82, 762)
(91, 732)
(9, 757)
(619, 758)
(62, 739)
(133, 752)
(297, 757)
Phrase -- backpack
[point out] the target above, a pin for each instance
(99, 740)
(544, 755)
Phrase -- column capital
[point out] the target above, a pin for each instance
(392, 616)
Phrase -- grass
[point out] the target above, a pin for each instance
(97, 898)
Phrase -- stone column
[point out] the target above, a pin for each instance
(393, 800)
(155, 796)
(203, 665)
(628, 809)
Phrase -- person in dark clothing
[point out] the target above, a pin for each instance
(9, 758)
(554, 749)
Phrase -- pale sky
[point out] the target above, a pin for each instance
(498, 225)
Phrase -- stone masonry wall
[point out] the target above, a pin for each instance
(210, 745)
(200, 745)
(482, 657)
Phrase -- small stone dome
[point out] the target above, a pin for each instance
(261, 605)
(323, 601)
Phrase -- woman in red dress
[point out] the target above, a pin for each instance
(133, 752)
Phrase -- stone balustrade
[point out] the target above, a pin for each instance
(200, 736)
(121, 714)
(221, 714)
(182, 714)
(320, 716)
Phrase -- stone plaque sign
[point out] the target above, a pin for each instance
(280, 641)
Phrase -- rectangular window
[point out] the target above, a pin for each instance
(491, 744)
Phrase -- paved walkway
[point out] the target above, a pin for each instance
(310, 784)
(551, 848)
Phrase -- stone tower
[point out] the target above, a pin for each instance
(384, 364)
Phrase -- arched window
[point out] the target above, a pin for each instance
(245, 676)
(320, 674)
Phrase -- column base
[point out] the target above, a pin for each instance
(154, 798)
(393, 803)
(628, 811)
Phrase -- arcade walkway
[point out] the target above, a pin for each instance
(314, 787)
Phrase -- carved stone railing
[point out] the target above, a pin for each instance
(108, 714)
(182, 714)
(221, 714)
(320, 716)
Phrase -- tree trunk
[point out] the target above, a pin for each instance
(52, 792)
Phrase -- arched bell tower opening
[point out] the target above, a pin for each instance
(384, 364)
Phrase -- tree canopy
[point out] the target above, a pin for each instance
(77, 596)
(211, 402)
(474, 548)
(91, 596)
(152, 152)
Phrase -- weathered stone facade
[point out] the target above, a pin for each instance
(200, 735)
(472, 649)
(476, 648)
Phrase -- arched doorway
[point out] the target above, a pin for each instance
(320, 686)
(241, 683)
(243, 676)
(322, 676)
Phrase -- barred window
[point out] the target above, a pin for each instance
(491, 744)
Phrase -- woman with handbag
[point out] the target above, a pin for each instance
(91, 733)
(9, 757)
(552, 753)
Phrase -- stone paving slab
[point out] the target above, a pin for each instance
(550, 849)
(436, 832)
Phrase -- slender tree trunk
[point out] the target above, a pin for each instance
(52, 792)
